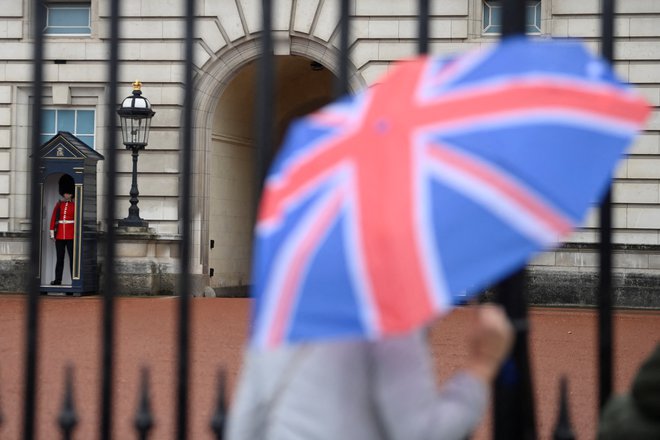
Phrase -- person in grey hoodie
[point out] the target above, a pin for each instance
(367, 390)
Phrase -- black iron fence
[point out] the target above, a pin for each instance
(514, 406)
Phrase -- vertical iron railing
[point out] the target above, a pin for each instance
(32, 321)
(605, 279)
(109, 283)
(514, 416)
(186, 205)
(423, 27)
(265, 98)
(344, 21)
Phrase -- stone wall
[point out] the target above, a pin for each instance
(146, 264)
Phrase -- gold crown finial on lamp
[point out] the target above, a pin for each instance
(137, 85)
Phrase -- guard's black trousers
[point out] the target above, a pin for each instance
(59, 247)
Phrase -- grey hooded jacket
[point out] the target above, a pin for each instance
(378, 390)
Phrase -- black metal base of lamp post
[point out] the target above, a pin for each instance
(132, 223)
(133, 220)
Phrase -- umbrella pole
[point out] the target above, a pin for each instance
(514, 416)
(605, 251)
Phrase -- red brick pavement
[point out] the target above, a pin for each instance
(562, 342)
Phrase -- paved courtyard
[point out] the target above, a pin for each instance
(563, 341)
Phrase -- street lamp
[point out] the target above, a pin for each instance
(135, 114)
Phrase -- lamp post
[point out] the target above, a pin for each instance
(135, 114)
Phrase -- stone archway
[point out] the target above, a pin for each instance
(301, 85)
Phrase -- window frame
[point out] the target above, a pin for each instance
(86, 5)
(488, 5)
(75, 132)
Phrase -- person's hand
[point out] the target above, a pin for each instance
(490, 342)
(52, 235)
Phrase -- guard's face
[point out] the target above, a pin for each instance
(68, 196)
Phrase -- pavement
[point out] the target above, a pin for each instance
(562, 342)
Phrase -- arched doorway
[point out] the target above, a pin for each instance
(301, 86)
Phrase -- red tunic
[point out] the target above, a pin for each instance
(65, 221)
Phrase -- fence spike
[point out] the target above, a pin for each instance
(144, 420)
(220, 416)
(68, 419)
(563, 429)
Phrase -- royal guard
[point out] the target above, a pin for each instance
(62, 227)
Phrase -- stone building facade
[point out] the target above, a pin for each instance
(306, 40)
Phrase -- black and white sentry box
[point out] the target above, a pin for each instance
(68, 164)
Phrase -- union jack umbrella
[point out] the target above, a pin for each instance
(385, 209)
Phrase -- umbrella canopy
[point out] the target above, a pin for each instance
(384, 209)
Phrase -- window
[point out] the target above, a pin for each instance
(68, 19)
(80, 123)
(492, 17)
